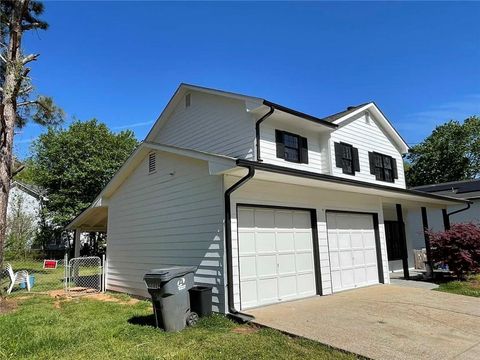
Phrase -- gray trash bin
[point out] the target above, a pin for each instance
(169, 288)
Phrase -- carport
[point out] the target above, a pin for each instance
(384, 322)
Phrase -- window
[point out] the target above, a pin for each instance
(346, 158)
(291, 147)
(384, 167)
(152, 163)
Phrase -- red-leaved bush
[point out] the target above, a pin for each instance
(459, 248)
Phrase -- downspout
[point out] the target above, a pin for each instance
(228, 247)
(447, 225)
(257, 130)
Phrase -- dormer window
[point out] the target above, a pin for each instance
(384, 167)
(291, 147)
(346, 158)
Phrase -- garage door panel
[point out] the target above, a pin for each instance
(266, 265)
(247, 245)
(304, 262)
(303, 241)
(306, 284)
(283, 219)
(267, 290)
(352, 250)
(287, 287)
(263, 219)
(285, 241)
(282, 264)
(248, 267)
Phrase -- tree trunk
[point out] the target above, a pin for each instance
(14, 73)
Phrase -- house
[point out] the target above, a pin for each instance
(271, 204)
(26, 197)
(470, 213)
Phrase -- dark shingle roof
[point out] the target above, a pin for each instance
(350, 109)
(461, 189)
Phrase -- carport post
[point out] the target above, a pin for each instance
(403, 238)
(76, 243)
(427, 241)
(446, 220)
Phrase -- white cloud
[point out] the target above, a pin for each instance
(129, 126)
(417, 126)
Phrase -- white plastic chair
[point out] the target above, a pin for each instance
(17, 278)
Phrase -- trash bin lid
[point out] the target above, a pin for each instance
(168, 273)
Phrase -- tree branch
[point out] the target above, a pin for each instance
(31, 57)
(31, 102)
(3, 58)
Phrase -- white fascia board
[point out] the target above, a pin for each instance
(392, 132)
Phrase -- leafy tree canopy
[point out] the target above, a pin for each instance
(74, 164)
(450, 153)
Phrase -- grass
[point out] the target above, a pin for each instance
(45, 328)
(469, 287)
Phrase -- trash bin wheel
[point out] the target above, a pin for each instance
(192, 318)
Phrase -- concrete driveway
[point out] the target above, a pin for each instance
(384, 322)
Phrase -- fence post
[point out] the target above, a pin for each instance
(65, 271)
(104, 273)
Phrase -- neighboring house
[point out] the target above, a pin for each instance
(269, 203)
(467, 190)
(29, 196)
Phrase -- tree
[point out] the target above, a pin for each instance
(21, 228)
(73, 165)
(450, 153)
(18, 101)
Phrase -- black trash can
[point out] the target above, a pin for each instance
(201, 300)
(169, 288)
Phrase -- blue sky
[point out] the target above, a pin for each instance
(121, 61)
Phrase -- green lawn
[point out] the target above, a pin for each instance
(470, 287)
(45, 328)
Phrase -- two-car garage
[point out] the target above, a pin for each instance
(278, 253)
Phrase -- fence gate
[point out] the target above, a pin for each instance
(84, 275)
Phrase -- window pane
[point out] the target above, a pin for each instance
(347, 166)
(388, 175)
(291, 154)
(378, 160)
(387, 162)
(378, 173)
(346, 152)
(291, 141)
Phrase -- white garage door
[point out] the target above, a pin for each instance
(275, 255)
(352, 248)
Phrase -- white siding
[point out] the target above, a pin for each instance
(29, 204)
(171, 217)
(367, 137)
(317, 148)
(278, 194)
(211, 123)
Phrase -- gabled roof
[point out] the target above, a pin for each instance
(466, 189)
(33, 190)
(331, 121)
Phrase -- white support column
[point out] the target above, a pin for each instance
(76, 243)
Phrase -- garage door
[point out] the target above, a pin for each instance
(275, 255)
(352, 249)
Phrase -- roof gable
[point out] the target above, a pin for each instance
(343, 117)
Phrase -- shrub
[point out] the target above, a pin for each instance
(459, 248)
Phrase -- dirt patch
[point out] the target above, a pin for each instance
(60, 296)
(7, 305)
(249, 329)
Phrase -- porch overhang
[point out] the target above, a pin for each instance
(275, 173)
(92, 219)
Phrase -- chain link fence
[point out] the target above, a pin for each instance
(75, 276)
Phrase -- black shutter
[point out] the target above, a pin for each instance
(280, 146)
(371, 159)
(394, 167)
(338, 155)
(303, 150)
(356, 160)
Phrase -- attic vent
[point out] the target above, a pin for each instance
(152, 163)
(187, 100)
